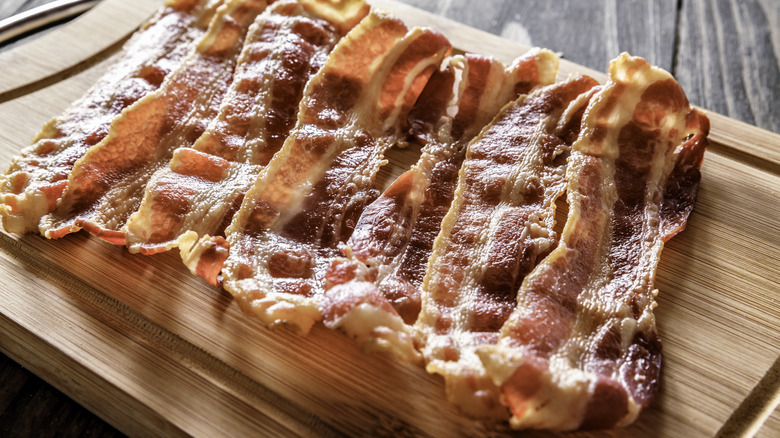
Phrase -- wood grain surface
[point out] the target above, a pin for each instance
(68, 50)
(725, 53)
(153, 350)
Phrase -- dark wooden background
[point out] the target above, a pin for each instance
(725, 53)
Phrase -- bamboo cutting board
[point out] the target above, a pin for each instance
(153, 350)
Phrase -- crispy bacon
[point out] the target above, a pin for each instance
(106, 184)
(35, 180)
(307, 200)
(499, 225)
(581, 349)
(394, 236)
(203, 186)
(457, 263)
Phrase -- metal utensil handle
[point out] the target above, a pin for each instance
(41, 16)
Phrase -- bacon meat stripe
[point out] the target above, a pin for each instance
(106, 184)
(499, 225)
(249, 136)
(309, 197)
(35, 180)
(393, 239)
(581, 349)
(203, 186)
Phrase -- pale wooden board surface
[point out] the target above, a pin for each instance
(113, 329)
(68, 48)
(738, 43)
(772, 425)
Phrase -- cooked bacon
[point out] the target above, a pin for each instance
(193, 131)
(35, 180)
(394, 236)
(499, 225)
(307, 200)
(106, 185)
(581, 349)
(203, 186)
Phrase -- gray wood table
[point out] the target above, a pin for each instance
(725, 53)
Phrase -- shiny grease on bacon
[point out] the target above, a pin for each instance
(106, 184)
(35, 180)
(499, 225)
(309, 197)
(564, 340)
(204, 185)
(581, 349)
(374, 294)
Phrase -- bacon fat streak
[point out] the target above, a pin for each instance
(106, 184)
(250, 137)
(581, 349)
(203, 186)
(389, 249)
(35, 180)
(309, 197)
(498, 226)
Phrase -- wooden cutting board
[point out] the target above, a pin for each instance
(154, 350)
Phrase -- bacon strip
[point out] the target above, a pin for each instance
(309, 197)
(499, 225)
(581, 350)
(394, 236)
(106, 184)
(35, 179)
(203, 186)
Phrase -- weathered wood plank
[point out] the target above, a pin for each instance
(521, 28)
(728, 58)
(589, 33)
(726, 55)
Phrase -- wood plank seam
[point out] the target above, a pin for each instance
(676, 45)
(755, 158)
(752, 141)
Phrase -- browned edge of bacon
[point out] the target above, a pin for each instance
(388, 252)
(36, 178)
(106, 184)
(500, 224)
(342, 14)
(203, 186)
(579, 349)
(307, 200)
(582, 350)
